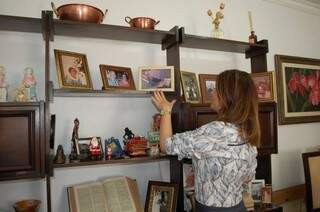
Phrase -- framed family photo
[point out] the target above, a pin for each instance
(117, 78)
(156, 78)
(190, 87)
(73, 71)
(161, 196)
(298, 87)
(207, 85)
(264, 85)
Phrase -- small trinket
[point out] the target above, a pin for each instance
(29, 82)
(216, 20)
(60, 157)
(74, 155)
(95, 149)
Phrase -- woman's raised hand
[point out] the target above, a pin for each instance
(161, 102)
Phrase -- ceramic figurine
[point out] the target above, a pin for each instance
(3, 85)
(216, 20)
(127, 134)
(95, 149)
(60, 157)
(29, 82)
(109, 152)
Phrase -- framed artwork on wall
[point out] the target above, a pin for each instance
(73, 71)
(265, 86)
(298, 87)
(161, 196)
(190, 87)
(117, 78)
(156, 78)
(207, 85)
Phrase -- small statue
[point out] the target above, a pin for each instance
(20, 95)
(95, 149)
(127, 134)
(252, 37)
(116, 149)
(60, 157)
(29, 82)
(216, 19)
(3, 85)
(109, 152)
(74, 155)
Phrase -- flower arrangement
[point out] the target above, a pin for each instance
(216, 20)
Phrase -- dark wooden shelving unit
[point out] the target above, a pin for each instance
(20, 24)
(125, 161)
(101, 93)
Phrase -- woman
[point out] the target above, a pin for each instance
(223, 152)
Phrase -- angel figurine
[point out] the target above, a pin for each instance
(3, 85)
(216, 20)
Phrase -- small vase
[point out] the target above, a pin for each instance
(217, 32)
(29, 205)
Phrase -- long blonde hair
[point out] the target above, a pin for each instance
(239, 103)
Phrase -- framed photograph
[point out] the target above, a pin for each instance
(188, 177)
(73, 71)
(156, 78)
(207, 85)
(256, 189)
(266, 194)
(90, 148)
(190, 87)
(265, 86)
(117, 78)
(161, 196)
(298, 89)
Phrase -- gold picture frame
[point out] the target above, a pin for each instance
(72, 69)
(264, 82)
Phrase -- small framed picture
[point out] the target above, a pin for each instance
(188, 177)
(256, 189)
(190, 87)
(265, 86)
(266, 194)
(207, 85)
(90, 148)
(156, 78)
(73, 71)
(161, 196)
(116, 77)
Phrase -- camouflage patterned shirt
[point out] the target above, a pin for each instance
(221, 159)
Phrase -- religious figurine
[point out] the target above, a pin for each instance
(74, 155)
(29, 82)
(216, 19)
(109, 152)
(252, 37)
(95, 149)
(60, 157)
(3, 85)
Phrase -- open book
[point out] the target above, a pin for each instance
(113, 194)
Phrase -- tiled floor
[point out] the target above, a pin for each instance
(294, 206)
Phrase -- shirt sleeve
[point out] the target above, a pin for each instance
(195, 142)
(253, 164)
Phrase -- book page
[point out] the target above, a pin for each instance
(89, 197)
(118, 196)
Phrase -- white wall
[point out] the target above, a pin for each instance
(289, 32)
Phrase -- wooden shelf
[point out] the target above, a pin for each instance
(20, 24)
(101, 93)
(133, 160)
(107, 31)
(208, 43)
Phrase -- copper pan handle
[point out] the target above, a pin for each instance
(128, 19)
(157, 22)
(54, 9)
(105, 13)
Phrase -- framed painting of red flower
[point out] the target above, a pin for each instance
(298, 89)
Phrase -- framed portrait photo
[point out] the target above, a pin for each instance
(256, 189)
(161, 196)
(207, 85)
(72, 69)
(190, 87)
(156, 78)
(265, 86)
(117, 78)
(298, 89)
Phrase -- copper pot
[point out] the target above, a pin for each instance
(79, 12)
(29, 205)
(141, 22)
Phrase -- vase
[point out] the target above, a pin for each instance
(217, 32)
(29, 205)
